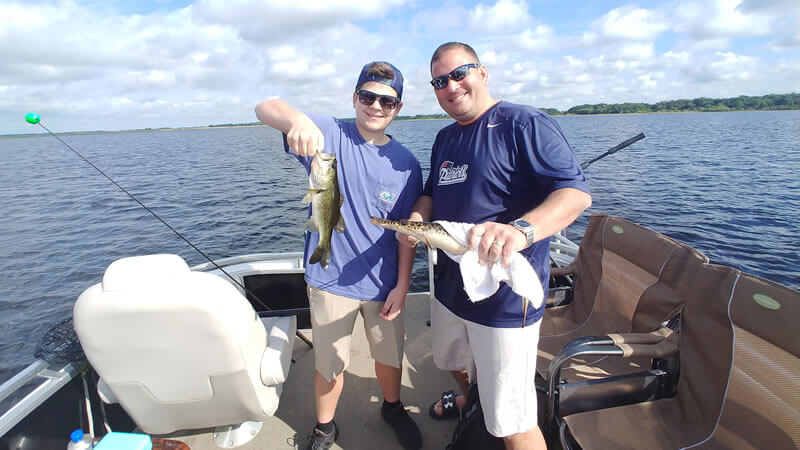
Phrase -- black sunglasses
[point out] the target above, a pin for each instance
(368, 98)
(456, 74)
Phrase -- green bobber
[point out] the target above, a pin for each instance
(32, 118)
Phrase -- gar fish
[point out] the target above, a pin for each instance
(326, 201)
(431, 233)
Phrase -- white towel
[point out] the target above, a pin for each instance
(481, 281)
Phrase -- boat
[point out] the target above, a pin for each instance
(51, 397)
(639, 295)
(58, 392)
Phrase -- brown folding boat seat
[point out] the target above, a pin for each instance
(739, 377)
(628, 279)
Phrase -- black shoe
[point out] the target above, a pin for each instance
(318, 440)
(403, 425)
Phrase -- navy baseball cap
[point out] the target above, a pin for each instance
(395, 83)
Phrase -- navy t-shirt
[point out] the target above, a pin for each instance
(374, 180)
(495, 170)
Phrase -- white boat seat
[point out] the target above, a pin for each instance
(180, 349)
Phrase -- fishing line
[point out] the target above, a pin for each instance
(34, 119)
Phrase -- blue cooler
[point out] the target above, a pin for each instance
(124, 441)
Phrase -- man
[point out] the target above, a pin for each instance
(368, 272)
(509, 169)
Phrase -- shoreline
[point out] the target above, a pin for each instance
(401, 119)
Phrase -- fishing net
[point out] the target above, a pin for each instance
(60, 344)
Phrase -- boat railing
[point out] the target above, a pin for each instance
(50, 381)
(276, 261)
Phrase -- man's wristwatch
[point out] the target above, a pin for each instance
(527, 229)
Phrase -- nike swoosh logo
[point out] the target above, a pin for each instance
(492, 125)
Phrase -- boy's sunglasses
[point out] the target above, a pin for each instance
(456, 74)
(389, 102)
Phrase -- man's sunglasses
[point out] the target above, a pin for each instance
(456, 74)
(389, 102)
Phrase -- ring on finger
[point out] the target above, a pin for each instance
(498, 243)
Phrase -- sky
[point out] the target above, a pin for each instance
(118, 65)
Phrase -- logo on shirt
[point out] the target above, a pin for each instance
(387, 196)
(449, 173)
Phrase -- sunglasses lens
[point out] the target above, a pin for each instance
(459, 73)
(366, 98)
(388, 102)
(456, 74)
(440, 82)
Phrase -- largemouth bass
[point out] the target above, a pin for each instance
(326, 201)
(430, 233)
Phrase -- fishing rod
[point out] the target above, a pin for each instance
(34, 119)
(610, 151)
(613, 150)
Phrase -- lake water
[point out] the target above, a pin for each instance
(725, 183)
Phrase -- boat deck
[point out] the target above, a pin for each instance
(358, 413)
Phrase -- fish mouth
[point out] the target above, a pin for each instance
(402, 226)
(380, 221)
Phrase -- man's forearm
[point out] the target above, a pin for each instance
(422, 209)
(558, 211)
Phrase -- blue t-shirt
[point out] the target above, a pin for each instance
(495, 170)
(382, 181)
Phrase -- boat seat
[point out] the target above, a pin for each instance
(628, 279)
(180, 349)
(740, 374)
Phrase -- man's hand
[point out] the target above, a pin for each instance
(494, 241)
(304, 137)
(406, 239)
(394, 303)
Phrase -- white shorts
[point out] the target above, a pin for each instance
(502, 360)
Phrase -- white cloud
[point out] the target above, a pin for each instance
(505, 16)
(275, 21)
(777, 6)
(628, 23)
(676, 57)
(635, 52)
(541, 38)
(724, 67)
(650, 80)
(719, 19)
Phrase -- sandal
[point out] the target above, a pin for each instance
(449, 408)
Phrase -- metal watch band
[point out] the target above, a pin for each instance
(527, 229)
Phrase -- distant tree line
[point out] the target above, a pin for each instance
(704, 104)
(247, 124)
(423, 116)
(740, 103)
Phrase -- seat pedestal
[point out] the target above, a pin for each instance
(231, 436)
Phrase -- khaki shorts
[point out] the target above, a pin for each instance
(333, 318)
(502, 360)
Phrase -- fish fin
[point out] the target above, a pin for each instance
(307, 198)
(321, 255)
(340, 224)
(311, 226)
(428, 243)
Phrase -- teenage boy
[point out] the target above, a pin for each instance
(369, 273)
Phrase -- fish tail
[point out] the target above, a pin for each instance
(322, 255)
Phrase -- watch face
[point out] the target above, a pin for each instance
(522, 223)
